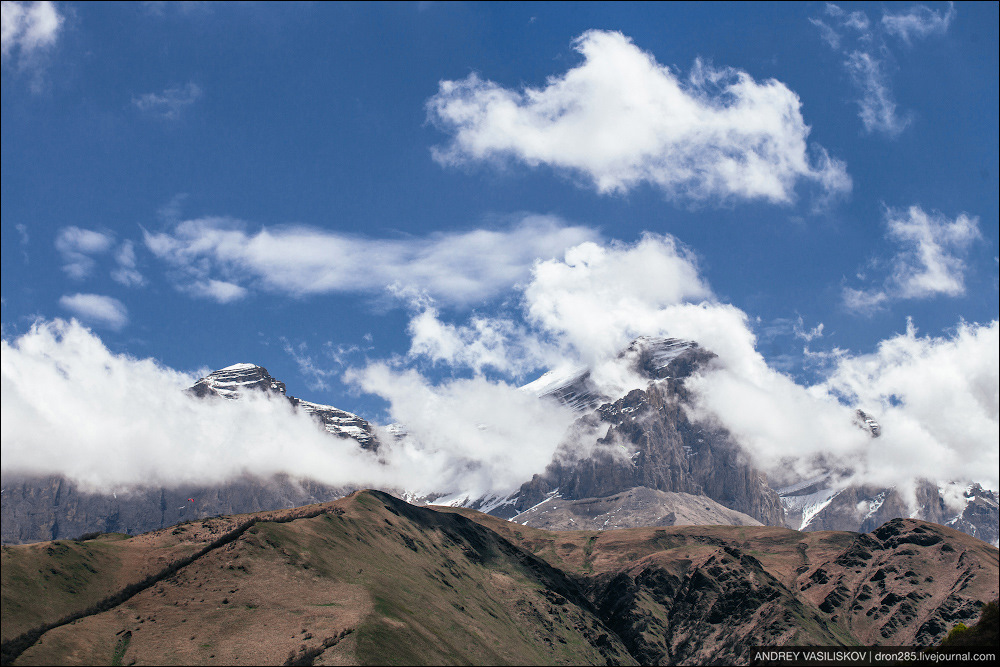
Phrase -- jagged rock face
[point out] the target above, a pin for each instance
(650, 442)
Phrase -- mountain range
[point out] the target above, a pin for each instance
(654, 466)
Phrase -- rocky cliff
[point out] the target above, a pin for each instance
(651, 442)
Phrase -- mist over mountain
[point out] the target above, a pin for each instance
(614, 452)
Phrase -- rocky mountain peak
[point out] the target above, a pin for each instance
(228, 382)
(231, 381)
(651, 357)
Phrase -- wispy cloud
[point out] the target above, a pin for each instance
(918, 22)
(877, 107)
(170, 103)
(77, 247)
(930, 261)
(218, 258)
(317, 374)
(127, 272)
(96, 309)
(868, 58)
(620, 119)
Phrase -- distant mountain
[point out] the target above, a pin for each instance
(369, 579)
(634, 508)
(52, 507)
(820, 504)
(649, 441)
(653, 465)
(233, 380)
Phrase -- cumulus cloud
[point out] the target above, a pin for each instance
(218, 258)
(77, 247)
(620, 119)
(918, 22)
(97, 309)
(867, 58)
(109, 421)
(27, 31)
(499, 435)
(170, 103)
(929, 263)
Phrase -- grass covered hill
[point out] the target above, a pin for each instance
(369, 579)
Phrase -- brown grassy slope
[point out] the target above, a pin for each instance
(372, 580)
(908, 582)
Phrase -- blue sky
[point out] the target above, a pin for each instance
(303, 185)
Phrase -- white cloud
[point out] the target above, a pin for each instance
(808, 335)
(109, 421)
(27, 28)
(876, 104)
(127, 274)
(930, 262)
(864, 301)
(76, 247)
(620, 119)
(219, 291)
(96, 309)
(918, 22)
(489, 436)
(170, 102)
(583, 309)
(486, 342)
(216, 257)
(937, 400)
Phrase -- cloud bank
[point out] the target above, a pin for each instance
(583, 309)
(218, 258)
(620, 119)
(110, 421)
(71, 406)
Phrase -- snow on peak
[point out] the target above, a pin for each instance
(239, 367)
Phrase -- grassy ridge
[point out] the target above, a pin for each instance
(370, 579)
